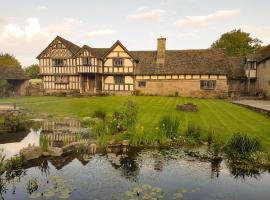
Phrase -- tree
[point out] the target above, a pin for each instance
(8, 60)
(32, 71)
(238, 43)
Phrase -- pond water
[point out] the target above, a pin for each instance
(131, 174)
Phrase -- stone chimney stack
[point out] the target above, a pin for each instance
(161, 49)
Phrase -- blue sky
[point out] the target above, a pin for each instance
(27, 26)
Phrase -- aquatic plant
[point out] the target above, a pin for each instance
(145, 191)
(193, 132)
(44, 143)
(215, 147)
(169, 125)
(100, 128)
(32, 185)
(243, 144)
(129, 111)
(14, 167)
(2, 158)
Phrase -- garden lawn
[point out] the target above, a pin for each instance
(221, 116)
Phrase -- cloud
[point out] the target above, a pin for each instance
(260, 32)
(202, 20)
(27, 40)
(146, 14)
(40, 8)
(101, 32)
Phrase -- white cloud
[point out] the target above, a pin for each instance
(40, 8)
(202, 20)
(260, 32)
(28, 40)
(101, 32)
(154, 14)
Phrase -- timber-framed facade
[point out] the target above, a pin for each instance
(66, 67)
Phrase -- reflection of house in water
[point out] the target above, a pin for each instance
(55, 125)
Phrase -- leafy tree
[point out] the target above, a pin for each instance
(238, 43)
(4, 86)
(32, 71)
(8, 60)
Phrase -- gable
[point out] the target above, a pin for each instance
(59, 48)
(118, 50)
(56, 50)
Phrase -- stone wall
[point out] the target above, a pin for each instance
(185, 88)
(263, 77)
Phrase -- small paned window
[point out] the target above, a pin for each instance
(208, 85)
(58, 62)
(142, 83)
(86, 61)
(119, 79)
(61, 79)
(118, 62)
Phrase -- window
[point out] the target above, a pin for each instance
(119, 79)
(58, 62)
(142, 83)
(208, 85)
(253, 65)
(118, 62)
(86, 61)
(61, 79)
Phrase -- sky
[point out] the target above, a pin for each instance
(28, 26)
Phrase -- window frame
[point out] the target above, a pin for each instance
(118, 62)
(117, 78)
(63, 79)
(55, 62)
(142, 84)
(89, 61)
(208, 84)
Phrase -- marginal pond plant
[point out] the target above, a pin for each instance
(242, 144)
(169, 125)
(193, 132)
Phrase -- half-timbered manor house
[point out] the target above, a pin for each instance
(66, 67)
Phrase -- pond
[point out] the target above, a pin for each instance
(136, 173)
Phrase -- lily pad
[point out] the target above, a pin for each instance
(35, 195)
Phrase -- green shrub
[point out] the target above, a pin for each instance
(99, 113)
(169, 125)
(193, 132)
(243, 144)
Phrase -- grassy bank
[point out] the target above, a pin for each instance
(219, 115)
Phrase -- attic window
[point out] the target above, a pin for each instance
(253, 65)
(118, 62)
(208, 85)
(86, 61)
(58, 62)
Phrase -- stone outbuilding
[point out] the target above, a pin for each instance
(16, 78)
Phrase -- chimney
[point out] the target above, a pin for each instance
(161, 49)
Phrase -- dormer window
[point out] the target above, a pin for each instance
(58, 62)
(86, 61)
(118, 62)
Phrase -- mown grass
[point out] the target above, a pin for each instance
(221, 116)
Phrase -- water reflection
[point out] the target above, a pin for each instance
(108, 175)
